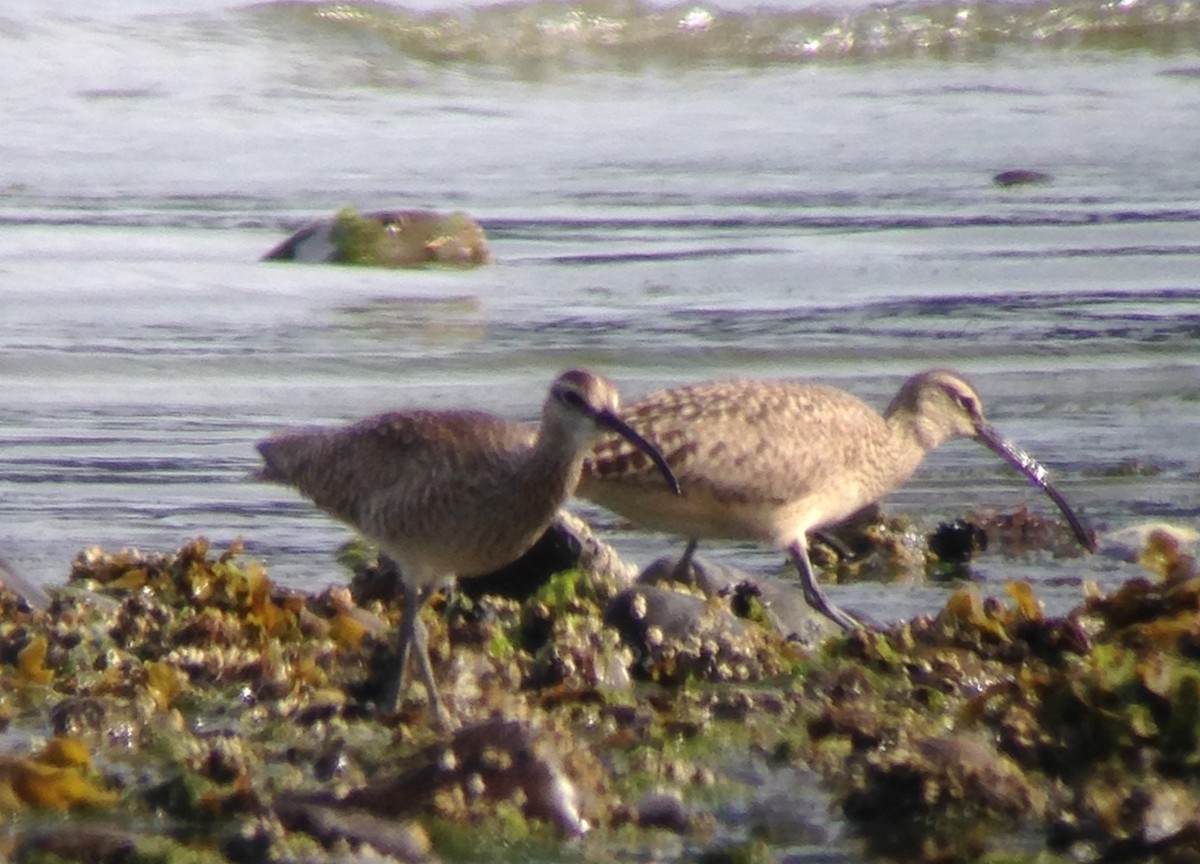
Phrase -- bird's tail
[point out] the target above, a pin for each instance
(274, 452)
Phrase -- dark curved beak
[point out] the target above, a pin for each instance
(611, 421)
(1036, 473)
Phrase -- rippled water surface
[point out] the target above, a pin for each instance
(672, 193)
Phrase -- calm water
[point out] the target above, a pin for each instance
(672, 193)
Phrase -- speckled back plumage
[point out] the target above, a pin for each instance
(772, 461)
(755, 459)
(446, 492)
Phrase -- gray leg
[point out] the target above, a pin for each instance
(836, 544)
(410, 623)
(413, 639)
(682, 571)
(441, 717)
(812, 591)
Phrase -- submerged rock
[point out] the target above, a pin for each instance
(1020, 177)
(402, 238)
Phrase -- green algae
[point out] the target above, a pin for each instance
(750, 852)
(407, 239)
(1062, 721)
(507, 837)
(989, 732)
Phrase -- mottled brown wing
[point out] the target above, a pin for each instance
(727, 436)
(403, 455)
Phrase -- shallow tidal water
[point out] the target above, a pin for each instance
(671, 193)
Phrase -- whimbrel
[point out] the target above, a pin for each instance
(774, 461)
(451, 493)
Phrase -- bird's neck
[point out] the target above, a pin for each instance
(910, 429)
(553, 467)
(911, 438)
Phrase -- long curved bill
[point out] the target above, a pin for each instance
(611, 421)
(1036, 473)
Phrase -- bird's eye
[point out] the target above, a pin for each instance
(572, 398)
(968, 404)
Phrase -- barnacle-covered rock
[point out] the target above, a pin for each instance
(484, 766)
(1023, 531)
(216, 716)
(400, 238)
(678, 636)
(946, 729)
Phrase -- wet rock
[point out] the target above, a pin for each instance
(88, 844)
(749, 852)
(204, 691)
(1020, 177)
(866, 546)
(1163, 548)
(560, 548)
(1162, 814)
(710, 577)
(648, 616)
(779, 604)
(957, 542)
(576, 656)
(402, 238)
(1021, 532)
(1122, 821)
(376, 576)
(783, 607)
(335, 826)
(332, 763)
(494, 762)
(966, 783)
(678, 635)
(663, 810)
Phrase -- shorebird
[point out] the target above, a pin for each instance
(774, 461)
(451, 493)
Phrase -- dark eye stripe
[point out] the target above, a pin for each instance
(572, 398)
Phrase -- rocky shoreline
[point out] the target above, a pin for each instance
(182, 707)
